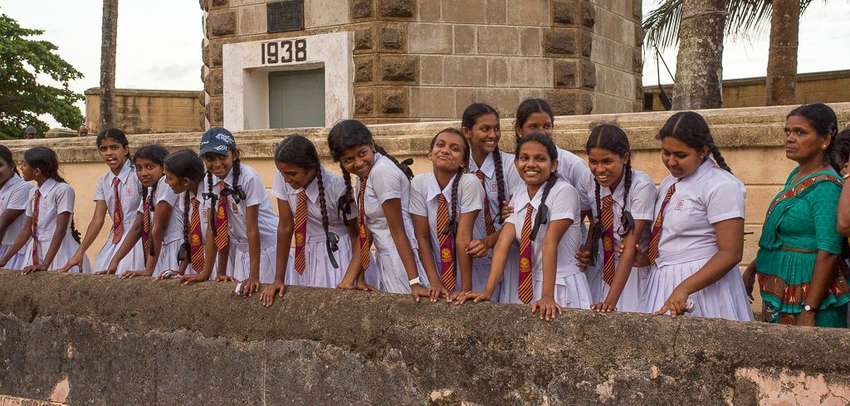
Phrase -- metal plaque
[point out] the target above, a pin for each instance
(287, 15)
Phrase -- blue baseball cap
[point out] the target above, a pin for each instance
(217, 140)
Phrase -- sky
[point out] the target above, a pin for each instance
(159, 41)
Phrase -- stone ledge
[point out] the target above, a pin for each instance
(732, 128)
(60, 326)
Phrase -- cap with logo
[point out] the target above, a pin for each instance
(217, 140)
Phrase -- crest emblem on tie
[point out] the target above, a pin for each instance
(607, 244)
(524, 264)
(220, 213)
(445, 255)
(362, 230)
(196, 240)
(299, 238)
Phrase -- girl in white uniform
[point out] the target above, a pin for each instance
(497, 174)
(308, 200)
(444, 204)
(383, 198)
(159, 222)
(623, 209)
(184, 174)
(14, 192)
(543, 223)
(234, 194)
(50, 217)
(118, 193)
(697, 237)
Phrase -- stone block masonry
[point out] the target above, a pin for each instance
(498, 50)
(99, 340)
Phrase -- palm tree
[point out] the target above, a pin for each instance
(108, 45)
(699, 67)
(662, 29)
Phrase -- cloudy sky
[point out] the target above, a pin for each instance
(159, 41)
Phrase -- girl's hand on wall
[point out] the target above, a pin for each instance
(249, 287)
(676, 304)
(270, 291)
(547, 307)
(475, 297)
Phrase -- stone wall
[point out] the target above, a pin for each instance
(99, 340)
(824, 87)
(751, 140)
(149, 111)
(428, 59)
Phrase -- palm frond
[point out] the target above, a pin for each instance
(661, 26)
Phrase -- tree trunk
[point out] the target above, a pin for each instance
(108, 44)
(699, 64)
(781, 80)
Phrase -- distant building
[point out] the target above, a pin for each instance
(149, 111)
(294, 63)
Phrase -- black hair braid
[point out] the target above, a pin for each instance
(832, 153)
(404, 166)
(500, 182)
(331, 239)
(596, 228)
(721, 162)
(344, 203)
(542, 216)
(453, 215)
(213, 198)
(626, 220)
(74, 232)
(184, 253)
(237, 190)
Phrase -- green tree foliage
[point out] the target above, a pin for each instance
(22, 98)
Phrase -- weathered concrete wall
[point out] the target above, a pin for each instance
(99, 340)
(824, 87)
(149, 111)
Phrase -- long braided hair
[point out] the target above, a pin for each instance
(349, 134)
(235, 191)
(299, 151)
(45, 160)
(691, 128)
(156, 154)
(542, 216)
(188, 165)
(612, 138)
(823, 119)
(470, 117)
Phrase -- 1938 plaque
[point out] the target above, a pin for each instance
(286, 15)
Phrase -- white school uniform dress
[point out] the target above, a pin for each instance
(481, 266)
(13, 196)
(688, 241)
(130, 191)
(173, 237)
(319, 270)
(424, 201)
(239, 262)
(575, 171)
(386, 181)
(56, 198)
(641, 205)
(571, 287)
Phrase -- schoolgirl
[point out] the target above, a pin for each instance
(498, 176)
(241, 219)
(118, 193)
(50, 217)
(159, 222)
(543, 223)
(184, 174)
(624, 200)
(535, 115)
(697, 237)
(444, 204)
(308, 199)
(383, 199)
(14, 192)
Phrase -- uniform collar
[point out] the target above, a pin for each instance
(125, 172)
(706, 166)
(434, 188)
(47, 186)
(523, 199)
(488, 167)
(313, 188)
(14, 180)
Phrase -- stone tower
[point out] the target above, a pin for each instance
(313, 62)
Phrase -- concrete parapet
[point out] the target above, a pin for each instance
(101, 340)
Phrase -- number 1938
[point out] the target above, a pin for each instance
(285, 51)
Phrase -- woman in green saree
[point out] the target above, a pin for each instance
(800, 247)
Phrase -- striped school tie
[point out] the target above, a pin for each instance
(526, 254)
(301, 233)
(446, 239)
(655, 236)
(489, 227)
(222, 227)
(196, 237)
(364, 237)
(146, 224)
(607, 219)
(118, 215)
(35, 210)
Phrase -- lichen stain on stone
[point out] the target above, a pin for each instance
(790, 387)
(60, 391)
(605, 390)
(69, 351)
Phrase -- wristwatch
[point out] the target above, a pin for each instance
(808, 308)
(414, 281)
